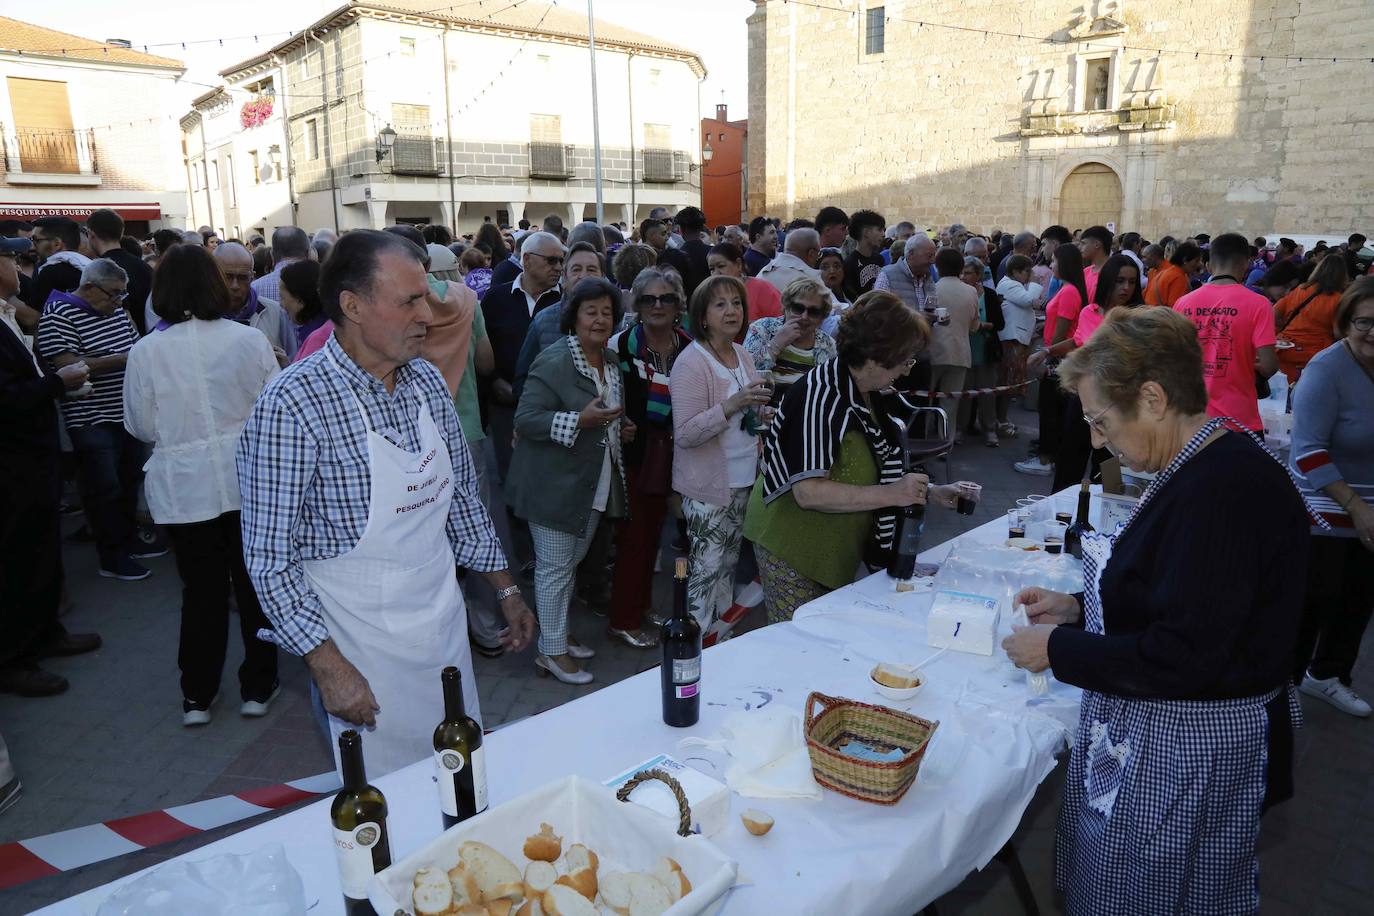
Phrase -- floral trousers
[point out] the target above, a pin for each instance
(715, 533)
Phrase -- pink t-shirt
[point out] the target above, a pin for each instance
(317, 339)
(1089, 320)
(1232, 323)
(1090, 281)
(1065, 304)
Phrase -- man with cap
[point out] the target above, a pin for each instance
(30, 490)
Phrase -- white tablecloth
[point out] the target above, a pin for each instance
(836, 855)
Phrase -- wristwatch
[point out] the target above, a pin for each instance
(507, 592)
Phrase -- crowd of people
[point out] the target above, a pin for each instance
(304, 421)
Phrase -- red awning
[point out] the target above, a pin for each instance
(78, 212)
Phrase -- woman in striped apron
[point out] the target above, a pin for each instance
(1181, 639)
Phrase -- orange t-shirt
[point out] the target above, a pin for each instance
(1313, 330)
(1167, 286)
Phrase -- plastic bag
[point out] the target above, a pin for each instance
(259, 883)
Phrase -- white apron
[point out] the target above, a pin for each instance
(392, 604)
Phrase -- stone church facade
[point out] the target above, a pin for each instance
(1159, 117)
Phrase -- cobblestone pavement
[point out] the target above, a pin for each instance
(113, 745)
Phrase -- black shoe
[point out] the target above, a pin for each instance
(68, 509)
(31, 681)
(486, 651)
(147, 545)
(71, 644)
(126, 569)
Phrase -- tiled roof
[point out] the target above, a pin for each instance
(25, 37)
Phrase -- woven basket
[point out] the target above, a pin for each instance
(840, 720)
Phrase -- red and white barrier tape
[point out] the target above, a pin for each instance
(966, 393)
(66, 850)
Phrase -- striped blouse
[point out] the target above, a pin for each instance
(1333, 433)
(804, 439)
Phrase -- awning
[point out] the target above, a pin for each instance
(27, 211)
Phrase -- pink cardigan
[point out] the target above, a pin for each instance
(699, 395)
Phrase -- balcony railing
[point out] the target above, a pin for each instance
(551, 160)
(664, 165)
(417, 154)
(49, 152)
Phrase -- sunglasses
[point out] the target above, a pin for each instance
(553, 260)
(667, 300)
(817, 313)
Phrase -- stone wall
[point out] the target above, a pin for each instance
(960, 126)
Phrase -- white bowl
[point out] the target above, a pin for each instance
(897, 693)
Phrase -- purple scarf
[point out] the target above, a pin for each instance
(250, 308)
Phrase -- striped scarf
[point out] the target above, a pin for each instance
(658, 401)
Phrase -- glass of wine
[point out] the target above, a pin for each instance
(969, 495)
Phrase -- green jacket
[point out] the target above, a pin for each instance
(555, 467)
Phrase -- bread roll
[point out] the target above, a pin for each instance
(648, 896)
(561, 900)
(615, 891)
(433, 896)
(670, 874)
(544, 846)
(539, 877)
(580, 856)
(496, 876)
(583, 881)
(756, 822)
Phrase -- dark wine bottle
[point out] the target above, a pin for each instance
(681, 674)
(460, 765)
(360, 837)
(1073, 537)
(906, 543)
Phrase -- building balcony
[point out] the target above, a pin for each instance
(664, 165)
(551, 160)
(41, 156)
(417, 154)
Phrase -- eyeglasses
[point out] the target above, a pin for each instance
(119, 296)
(1363, 325)
(905, 365)
(553, 260)
(817, 313)
(1095, 423)
(243, 276)
(667, 300)
(42, 238)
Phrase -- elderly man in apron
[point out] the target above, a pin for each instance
(359, 496)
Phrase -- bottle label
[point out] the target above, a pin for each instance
(448, 767)
(684, 691)
(354, 849)
(687, 670)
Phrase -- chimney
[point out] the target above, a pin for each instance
(118, 42)
(720, 112)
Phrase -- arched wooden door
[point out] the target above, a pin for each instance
(1091, 196)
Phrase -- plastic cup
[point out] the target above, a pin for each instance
(1016, 524)
(1054, 537)
(969, 495)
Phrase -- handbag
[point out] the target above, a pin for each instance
(655, 475)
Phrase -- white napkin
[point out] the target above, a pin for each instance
(767, 752)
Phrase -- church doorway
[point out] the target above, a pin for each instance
(1091, 196)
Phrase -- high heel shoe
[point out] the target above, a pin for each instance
(577, 650)
(544, 666)
(642, 640)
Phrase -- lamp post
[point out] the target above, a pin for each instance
(386, 139)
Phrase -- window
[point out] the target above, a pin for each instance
(546, 128)
(875, 25)
(312, 139)
(413, 151)
(1097, 84)
(43, 132)
(407, 46)
(655, 76)
(195, 176)
(253, 162)
(214, 175)
(658, 136)
(233, 183)
(549, 158)
(720, 137)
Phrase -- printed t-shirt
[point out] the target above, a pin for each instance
(860, 273)
(1232, 323)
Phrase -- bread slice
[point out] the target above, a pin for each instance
(464, 885)
(579, 856)
(496, 876)
(615, 891)
(583, 881)
(561, 900)
(544, 846)
(648, 896)
(470, 909)
(433, 895)
(531, 907)
(502, 907)
(539, 877)
(670, 874)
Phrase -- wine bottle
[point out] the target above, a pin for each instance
(1073, 537)
(460, 765)
(360, 836)
(907, 542)
(681, 673)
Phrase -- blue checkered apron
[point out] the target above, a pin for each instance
(1163, 798)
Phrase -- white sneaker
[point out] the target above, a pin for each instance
(1033, 466)
(256, 709)
(1337, 694)
(749, 594)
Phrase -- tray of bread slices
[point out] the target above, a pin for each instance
(567, 849)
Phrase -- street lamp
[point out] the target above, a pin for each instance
(707, 152)
(385, 141)
(274, 157)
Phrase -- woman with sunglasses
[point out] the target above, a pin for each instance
(792, 346)
(719, 404)
(832, 483)
(647, 351)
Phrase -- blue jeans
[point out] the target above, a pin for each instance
(109, 471)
